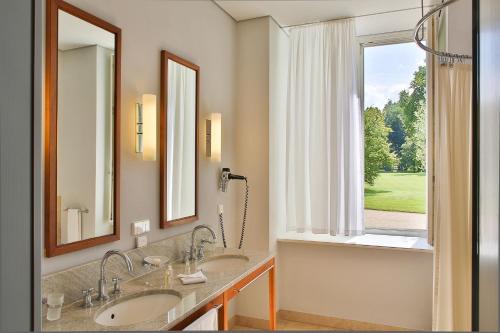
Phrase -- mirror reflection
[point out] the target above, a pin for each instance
(85, 84)
(181, 141)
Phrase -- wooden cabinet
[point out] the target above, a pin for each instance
(221, 301)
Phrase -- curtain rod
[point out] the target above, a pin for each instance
(347, 17)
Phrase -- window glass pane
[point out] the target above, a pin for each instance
(395, 137)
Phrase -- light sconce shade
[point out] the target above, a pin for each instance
(214, 137)
(145, 115)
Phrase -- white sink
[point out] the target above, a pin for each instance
(222, 263)
(135, 309)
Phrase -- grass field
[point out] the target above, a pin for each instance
(401, 192)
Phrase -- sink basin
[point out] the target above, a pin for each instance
(227, 262)
(138, 308)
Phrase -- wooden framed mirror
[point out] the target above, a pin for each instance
(178, 140)
(82, 130)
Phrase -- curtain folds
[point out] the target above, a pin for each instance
(324, 131)
(452, 198)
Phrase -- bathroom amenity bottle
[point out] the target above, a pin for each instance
(187, 264)
(169, 275)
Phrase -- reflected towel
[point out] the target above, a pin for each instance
(197, 277)
(74, 226)
(207, 322)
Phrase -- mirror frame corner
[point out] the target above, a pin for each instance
(50, 136)
(165, 56)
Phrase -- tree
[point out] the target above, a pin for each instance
(377, 149)
(413, 150)
(393, 119)
(413, 103)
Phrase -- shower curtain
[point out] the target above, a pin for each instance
(324, 131)
(452, 215)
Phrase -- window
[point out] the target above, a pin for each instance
(395, 138)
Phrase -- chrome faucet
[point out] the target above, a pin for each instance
(199, 254)
(103, 291)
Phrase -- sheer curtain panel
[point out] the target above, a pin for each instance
(324, 131)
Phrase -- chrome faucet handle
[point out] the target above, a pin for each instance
(200, 251)
(116, 286)
(87, 298)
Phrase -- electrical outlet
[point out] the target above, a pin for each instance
(141, 241)
(140, 227)
(220, 209)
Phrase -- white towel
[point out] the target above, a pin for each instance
(207, 322)
(197, 277)
(74, 226)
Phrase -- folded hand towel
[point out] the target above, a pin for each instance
(197, 277)
(207, 322)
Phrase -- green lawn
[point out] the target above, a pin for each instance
(401, 192)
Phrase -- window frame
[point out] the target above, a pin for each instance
(398, 37)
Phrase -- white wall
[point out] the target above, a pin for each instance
(278, 87)
(459, 27)
(202, 33)
(104, 138)
(389, 287)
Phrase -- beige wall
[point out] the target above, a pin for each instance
(202, 33)
(391, 287)
(262, 60)
(252, 128)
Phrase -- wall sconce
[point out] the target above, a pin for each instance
(145, 117)
(214, 137)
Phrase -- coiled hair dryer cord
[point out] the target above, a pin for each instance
(244, 215)
(221, 222)
(245, 208)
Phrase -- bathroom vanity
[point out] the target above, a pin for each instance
(146, 304)
(82, 191)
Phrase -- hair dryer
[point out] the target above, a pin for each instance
(226, 176)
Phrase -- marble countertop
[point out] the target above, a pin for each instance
(194, 296)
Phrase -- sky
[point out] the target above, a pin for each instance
(388, 70)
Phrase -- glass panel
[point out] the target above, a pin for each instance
(181, 141)
(85, 85)
(395, 139)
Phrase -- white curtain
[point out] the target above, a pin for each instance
(181, 136)
(324, 131)
(452, 198)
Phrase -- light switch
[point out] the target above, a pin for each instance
(140, 227)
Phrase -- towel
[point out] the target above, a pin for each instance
(74, 226)
(197, 277)
(207, 322)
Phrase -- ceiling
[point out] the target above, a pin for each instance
(289, 13)
(75, 33)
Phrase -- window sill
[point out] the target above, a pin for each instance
(384, 242)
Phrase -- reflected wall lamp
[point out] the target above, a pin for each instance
(214, 137)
